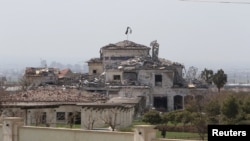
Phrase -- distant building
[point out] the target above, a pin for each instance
(41, 75)
(3, 80)
(95, 66)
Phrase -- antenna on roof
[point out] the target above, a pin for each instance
(128, 31)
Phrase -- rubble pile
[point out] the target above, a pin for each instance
(58, 94)
(141, 62)
(93, 81)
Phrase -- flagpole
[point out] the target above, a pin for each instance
(128, 31)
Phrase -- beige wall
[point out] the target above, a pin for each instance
(33, 114)
(99, 115)
(55, 134)
(95, 66)
(17, 132)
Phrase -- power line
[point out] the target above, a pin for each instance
(226, 2)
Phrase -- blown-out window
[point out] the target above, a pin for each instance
(117, 77)
(158, 80)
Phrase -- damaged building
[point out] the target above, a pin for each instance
(125, 80)
(131, 70)
(35, 76)
(39, 75)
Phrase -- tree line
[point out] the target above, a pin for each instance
(219, 79)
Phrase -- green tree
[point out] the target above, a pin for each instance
(152, 117)
(246, 106)
(220, 79)
(230, 109)
(195, 104)
(178, 117)
(174, 117)
(199, 121)
(169, 117)
(212, 110)
(186, 117)
(207, 75)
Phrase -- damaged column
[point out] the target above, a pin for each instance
(170, 103)
(155, 50)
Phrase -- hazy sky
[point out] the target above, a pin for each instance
(200, 34)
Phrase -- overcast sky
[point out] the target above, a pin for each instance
(200, 34)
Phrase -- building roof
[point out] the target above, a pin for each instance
(95, 60)
(105, 105)
(126, 44)
(52, 94)
(39, 71)
(64, 72)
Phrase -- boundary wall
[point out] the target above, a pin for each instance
(13, 129)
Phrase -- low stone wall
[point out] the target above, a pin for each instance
(60, 134)
(13, 129)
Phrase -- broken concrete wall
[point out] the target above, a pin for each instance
(171, 93)
(112, 56)
(164, 80)
(179, 70)
(136, 92)
(130, 76)
(113, 76)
